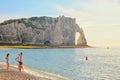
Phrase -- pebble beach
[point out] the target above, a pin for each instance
(14, 74)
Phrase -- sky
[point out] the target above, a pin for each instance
(100, 19)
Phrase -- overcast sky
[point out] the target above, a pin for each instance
(100, 19)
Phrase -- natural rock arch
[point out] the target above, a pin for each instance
(37, 30)
(81, 40)
(77, 35)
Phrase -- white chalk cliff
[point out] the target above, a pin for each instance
(41, 31)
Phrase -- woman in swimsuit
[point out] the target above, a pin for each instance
(7, 61)
(19, 60)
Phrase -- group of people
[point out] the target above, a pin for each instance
(18, 59)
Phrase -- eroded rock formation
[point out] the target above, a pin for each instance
(41, 31)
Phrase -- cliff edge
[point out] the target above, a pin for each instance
(41, 31)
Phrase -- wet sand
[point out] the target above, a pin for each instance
(14, 74)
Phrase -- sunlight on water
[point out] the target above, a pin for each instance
(102, 63)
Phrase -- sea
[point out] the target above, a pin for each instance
(102, 63)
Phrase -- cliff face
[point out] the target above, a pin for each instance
(41, 31)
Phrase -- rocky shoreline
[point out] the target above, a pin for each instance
(40, 47)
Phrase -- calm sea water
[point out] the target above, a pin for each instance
(102, 64)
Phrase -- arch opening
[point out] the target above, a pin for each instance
(77, 35)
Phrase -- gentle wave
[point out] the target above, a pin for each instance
(44, 74)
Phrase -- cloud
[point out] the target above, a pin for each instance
(11, 16)
(99, 18)
(7, 17)
(2, 18)
(95, 13)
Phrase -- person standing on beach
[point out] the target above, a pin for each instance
(7, 61)
(20, 62)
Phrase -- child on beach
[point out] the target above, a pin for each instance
(19, 60)
(7, 61)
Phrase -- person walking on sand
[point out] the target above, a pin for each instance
(20, 62)
(7, 61)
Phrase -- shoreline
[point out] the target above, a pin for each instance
(14, 74)
(28, 74)
(39, 47)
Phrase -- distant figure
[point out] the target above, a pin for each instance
(86, 58)
(19, 60)
(7, 61)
